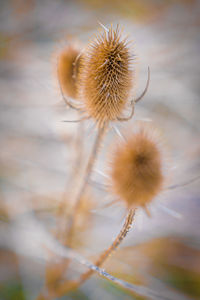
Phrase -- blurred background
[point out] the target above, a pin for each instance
(38, 150)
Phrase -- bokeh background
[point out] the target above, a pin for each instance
(38, 150)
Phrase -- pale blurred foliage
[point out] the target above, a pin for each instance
(38, 151)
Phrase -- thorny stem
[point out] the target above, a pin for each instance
(83, 186)
(67, 286)
(113, 246)
(77, 200)
(54, 271)
(165, 293)
(78, 144)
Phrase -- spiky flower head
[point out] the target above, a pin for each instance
(105, 77)
(68, 66)
(137, 166)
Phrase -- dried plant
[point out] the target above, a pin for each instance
(137, 176)
(91, 208)
(104, 79)
(137, 171)
(102, 91)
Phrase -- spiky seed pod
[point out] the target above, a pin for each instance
(137, 167)
(105, 77)
(68, 66)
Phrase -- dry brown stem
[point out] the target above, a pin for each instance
(67, 286)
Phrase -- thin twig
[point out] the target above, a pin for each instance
(146, 88)
(121, 119)
(76, 121)
(172, 187)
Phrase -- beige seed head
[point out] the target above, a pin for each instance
(68, 67)
(105, 77)
(137, 167)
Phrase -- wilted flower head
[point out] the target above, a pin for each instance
(68, 66)
(105, 78)
(137, 167)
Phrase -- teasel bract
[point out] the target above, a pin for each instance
(105, 77)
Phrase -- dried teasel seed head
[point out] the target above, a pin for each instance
(68, 67)
(137, 167)
(105, 79)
